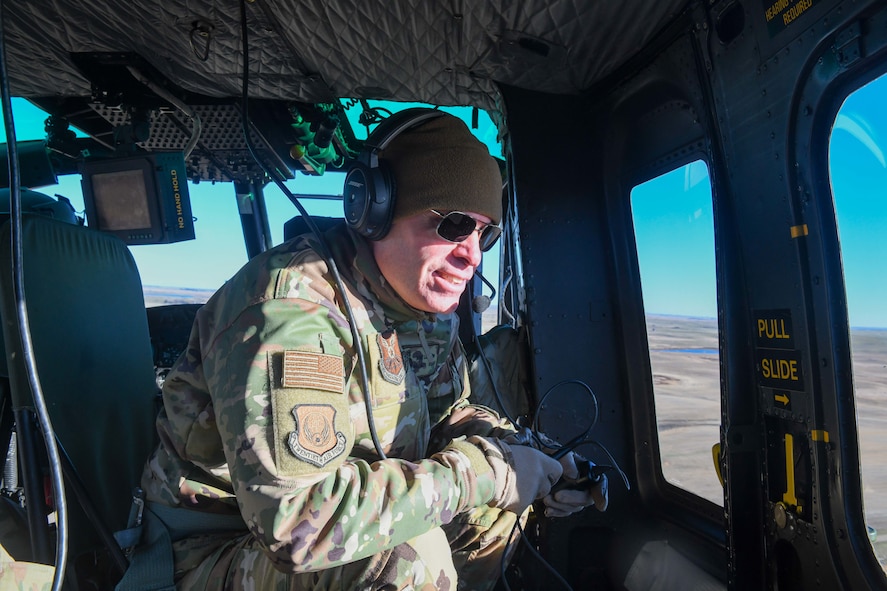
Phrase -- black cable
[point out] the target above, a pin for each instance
(503, 563)
(81, 493)
(523, 538)
(613, 463)
(28, 355)
(488, 368)
(582, 437)
(372, 115)
(323, 248)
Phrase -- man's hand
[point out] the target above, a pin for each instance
(590, 489)
(536, 439)
(523, 474)
(579, 487)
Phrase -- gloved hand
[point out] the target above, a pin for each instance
(566, 501)
(523, 436)
(522, 474)
(538, 440)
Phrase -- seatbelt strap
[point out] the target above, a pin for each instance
(151, 566)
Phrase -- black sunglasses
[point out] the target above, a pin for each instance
(456, 226)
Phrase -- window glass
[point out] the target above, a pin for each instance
(858, 169)
(190, 271)
(674, 231)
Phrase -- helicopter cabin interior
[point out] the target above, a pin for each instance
(588, 102)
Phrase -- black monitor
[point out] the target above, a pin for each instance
(141, 199)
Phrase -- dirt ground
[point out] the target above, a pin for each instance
(686, 377)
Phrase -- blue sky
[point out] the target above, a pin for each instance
(675, 234)
(858, 158)
(674, 231)
(219, 251)
(859, 181)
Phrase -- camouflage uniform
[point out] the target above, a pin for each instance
(24, 576)
(264, 417)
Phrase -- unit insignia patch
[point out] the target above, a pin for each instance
(315, 439)
(391, 362)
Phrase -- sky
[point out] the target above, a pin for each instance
(858, 169)
(859, 181)
(674, 232)
(673, 221)
(219, 251)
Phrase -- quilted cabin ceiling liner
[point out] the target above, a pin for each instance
(447, 53)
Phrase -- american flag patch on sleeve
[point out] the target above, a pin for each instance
(304, 369)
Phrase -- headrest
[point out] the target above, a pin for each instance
(33, 202)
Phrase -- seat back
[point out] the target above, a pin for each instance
(38, 203)
(93, 354)
(170, 329)
(297, 226)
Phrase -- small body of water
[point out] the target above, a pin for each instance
(696, 351)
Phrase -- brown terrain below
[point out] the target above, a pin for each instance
(165, 296)
(684, 358)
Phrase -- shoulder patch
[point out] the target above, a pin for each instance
(315, 439)
(312, 429)
(317, 371)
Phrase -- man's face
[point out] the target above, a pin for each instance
(428, 272)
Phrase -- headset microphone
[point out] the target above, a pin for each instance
(480, 303)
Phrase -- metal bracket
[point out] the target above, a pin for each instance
(848, 46)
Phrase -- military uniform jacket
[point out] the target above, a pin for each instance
(264, 413)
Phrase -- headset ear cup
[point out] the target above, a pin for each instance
(369, 192)
(368, 199)
(382, 206)
(357, 195)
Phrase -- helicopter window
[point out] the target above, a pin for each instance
(674, 232)
(189, 272)
(858, 169)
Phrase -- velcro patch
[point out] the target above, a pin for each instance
(390, 362)
(309, 412)
(315, 439)
(316, 371)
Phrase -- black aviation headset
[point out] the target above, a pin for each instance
(370, 193)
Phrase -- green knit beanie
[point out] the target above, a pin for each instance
(441, 165)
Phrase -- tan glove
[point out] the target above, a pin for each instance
(523, 436)
(538, 440)
(522, 474)
(567, 501)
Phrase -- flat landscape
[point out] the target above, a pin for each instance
(684, 358)
(163, 296)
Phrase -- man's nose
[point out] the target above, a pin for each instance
(469, 249)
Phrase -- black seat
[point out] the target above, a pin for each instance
(296, 226)
(170, 329)
(91, 346)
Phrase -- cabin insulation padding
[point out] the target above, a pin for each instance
(316, 50)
